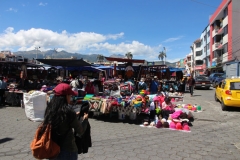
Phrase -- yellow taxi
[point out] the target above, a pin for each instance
(228, 93)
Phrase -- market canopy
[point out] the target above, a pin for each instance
(65, 62)
(125, 60)
(85, 68)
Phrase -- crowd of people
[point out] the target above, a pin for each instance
(155, 85)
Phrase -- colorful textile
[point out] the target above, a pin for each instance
(95, 105)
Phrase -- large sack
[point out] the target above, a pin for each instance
(35, 104)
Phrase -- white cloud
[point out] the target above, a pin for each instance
(12, 10)
(42, 4)
(81, 42)
(173, 39)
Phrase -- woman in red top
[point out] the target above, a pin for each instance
(89, 89)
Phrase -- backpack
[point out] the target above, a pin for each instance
(44, 147)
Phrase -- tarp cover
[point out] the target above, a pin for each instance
(125, 60)
(65, 62)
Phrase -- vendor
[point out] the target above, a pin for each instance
(167, 108)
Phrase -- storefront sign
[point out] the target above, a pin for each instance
(198, 67)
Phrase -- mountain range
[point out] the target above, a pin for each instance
(37, 54)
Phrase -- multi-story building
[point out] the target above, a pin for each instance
(224, 33)
(188, 63)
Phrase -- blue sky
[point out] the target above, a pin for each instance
(142, 27)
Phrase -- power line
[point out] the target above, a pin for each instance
(211, 5)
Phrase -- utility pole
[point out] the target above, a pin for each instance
(36, 48)
(193, 61)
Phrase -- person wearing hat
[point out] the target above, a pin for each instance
(142, 85)
(63, 119)
(154, 86)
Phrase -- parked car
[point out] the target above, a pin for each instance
(217, 80)
(212, 76)
(202, 82)
(228, 93)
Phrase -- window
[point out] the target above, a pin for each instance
(225, 12)
(208, 33)
(198, 53)
(223, 84)
(234, 85)
(225, 30)
(199, 62)
(205, 48)
(208, 46)
(205, 37)
(225, 48)
(198, 44)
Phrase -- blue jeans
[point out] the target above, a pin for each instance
(66, 155)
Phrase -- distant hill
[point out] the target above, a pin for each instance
(63, 54)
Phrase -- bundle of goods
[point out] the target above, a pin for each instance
(109, 86)
(127, 88)
(35, 104)
(190, 107)
(174, 94)
(179, 120)
(137, 102)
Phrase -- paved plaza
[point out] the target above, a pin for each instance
(214, 135)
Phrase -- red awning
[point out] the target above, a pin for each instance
(125, 60)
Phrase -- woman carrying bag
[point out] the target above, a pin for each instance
(63, 120)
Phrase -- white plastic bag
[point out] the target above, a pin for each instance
(35, 105)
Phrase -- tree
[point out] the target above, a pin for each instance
(129, 55)
(100, 58)
(161, 55)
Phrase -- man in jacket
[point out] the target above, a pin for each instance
(154, 86)
(142, 85)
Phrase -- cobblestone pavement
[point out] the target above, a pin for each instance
(214, 135)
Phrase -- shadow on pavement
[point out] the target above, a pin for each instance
(5, 140)
(233, 109)
(196, 95)
(114, 118)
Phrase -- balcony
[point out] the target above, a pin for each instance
(218, 45)
(219, 59)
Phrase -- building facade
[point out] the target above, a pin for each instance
(224, 33)
(219, 42)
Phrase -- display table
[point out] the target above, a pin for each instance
(13, 98)
(176, 98)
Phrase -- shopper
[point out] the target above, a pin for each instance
(142, 85)
(63, 119)
(191, 84)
